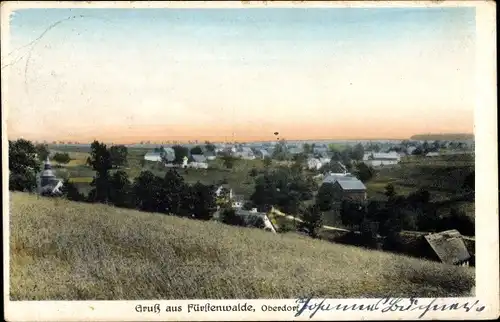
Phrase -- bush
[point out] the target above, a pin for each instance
(460, 221)
(229, 217)
(61, 158)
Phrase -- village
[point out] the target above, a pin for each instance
(346, 171)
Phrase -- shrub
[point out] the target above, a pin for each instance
(229, 217)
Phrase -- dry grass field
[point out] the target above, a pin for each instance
(62, 250)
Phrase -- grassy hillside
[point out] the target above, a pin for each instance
(61, 250)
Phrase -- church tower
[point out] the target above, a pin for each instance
(47, 176)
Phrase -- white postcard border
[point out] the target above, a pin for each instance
(487, 269)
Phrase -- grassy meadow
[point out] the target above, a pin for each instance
(62, 250)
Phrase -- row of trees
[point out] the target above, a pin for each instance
(147, 192)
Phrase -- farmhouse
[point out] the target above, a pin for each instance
(157, 154)
(244, 153)
(261, 153)
(48, 184)
(349, 189)
(210, 155)
(198, 161)
(449, 247)
(381, 159)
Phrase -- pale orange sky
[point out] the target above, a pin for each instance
(185, 75)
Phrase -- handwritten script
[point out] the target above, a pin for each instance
(309, 306)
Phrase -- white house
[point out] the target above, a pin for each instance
(222, 188)
(244, 153)
(432, 154)
(381, 159)
(314, 163)
(157, 154)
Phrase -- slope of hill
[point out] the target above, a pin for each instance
(443, 136)
(61, 250)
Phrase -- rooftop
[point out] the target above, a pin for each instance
(352, 184)
(449, 246)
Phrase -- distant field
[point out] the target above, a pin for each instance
(442, 176)
(445, 137)
(62, 250)
(81, 179)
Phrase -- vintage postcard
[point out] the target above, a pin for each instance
(227, 161)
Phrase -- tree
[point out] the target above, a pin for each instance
(325, 197)
(174, 189)
(364, 172)
(282, 188)
(389, 190)
(358, 152)
(120, 189)
(70, 191)
(180, 153)
(42, 151)
(202, 199)
(253, 172)
(209, 147)
(229, 217)
(146, 191)
(299, 160)
(345, 155)
(228, 161)
(460, 221)
(425, 147)
(23, 165)
(100, 160)
(119, 155)
(312, 220)
(197, 150)
(307, 148)
(352, 213)
(281, 151)
(469, 182)
(61, 158)
(267, 162)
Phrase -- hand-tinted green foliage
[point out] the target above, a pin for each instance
(42, 151)
(119, 155)
(228, 161)
(280, 152)
(364, 172)
(120, 190)
(61, 158)
(209, 146)
(357, 152)
(352, 213)
(325, 197)
(197, 150)
(282, 188)
(100, 160)
(229, 217)
(180, 153)
(23, 165)
(312, 220)
(70, 191)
